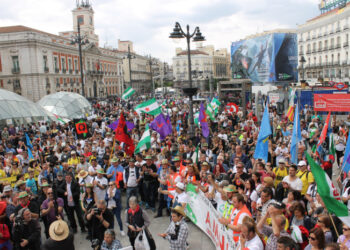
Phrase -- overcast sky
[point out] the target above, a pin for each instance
(148, 22)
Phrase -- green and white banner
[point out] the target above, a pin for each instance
(127, 93)
(203, 214)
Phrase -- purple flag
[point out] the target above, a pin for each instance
(168, 121)
(114, 125)
(159, 124)
(203, 121)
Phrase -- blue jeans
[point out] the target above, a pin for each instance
(131, 191)
(117, 211)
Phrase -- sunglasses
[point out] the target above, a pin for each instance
(50, 193)
(311, 238)
(346, 229)
(110, 185)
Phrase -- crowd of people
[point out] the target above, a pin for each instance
(71, 181)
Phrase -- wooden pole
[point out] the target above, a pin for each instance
(335, 228)
(110, 157)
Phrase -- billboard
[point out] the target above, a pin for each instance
(332, 102)
(270, 58)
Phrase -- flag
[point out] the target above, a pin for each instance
(322, 137)
(328, 192)
(29, 147)
(346, 163)
(290, 113)
(213, 108)
(60, 119)
(296, 137)
(160, 125)
(195, 156)
(127, 93)
(196, 121)
(145, 141)
(262, 146)
(81, 129)
(121, 135)
(168, 121)
(332, 150)
(114, 125)
(203, 121)
(150, 107)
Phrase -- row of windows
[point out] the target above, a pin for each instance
(325, 59)
(325, 45)
(325, 30)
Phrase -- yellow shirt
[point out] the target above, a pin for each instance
(2, 174)
(306, 178)
(280, 174)
(73, 161)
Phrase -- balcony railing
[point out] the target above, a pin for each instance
(325, 48)
(64, 70)
(70, 71)
(46, 69)
(57, 70)
(346, 44)
(16, 71)
(346, 27)
(57, 85)
(308, 51)
(76, 71)
(337, 46)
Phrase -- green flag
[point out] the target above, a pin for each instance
(127, 93)
(150, 107)
(213, 108)
(328, 192)
(145, 141)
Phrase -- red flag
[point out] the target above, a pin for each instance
(323, 135)
(121, 135)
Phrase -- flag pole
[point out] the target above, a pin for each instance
(335, 228)
(110, 156)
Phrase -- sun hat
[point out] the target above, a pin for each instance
(89, 185)
(100, 171)
(82, 174)
(148, 157)
(230, 189)
(59, 230)
(164, 161)
(180, 185)
(114, 160)
(7, 188)
(20, 182)
(22, 194)
(180, 210)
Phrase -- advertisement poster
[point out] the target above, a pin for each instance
(332, 102)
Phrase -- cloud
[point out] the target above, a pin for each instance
(148, 23)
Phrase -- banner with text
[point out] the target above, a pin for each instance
(332, 102)
(203, 214)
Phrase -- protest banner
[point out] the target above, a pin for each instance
(332, 102)
(203, 214)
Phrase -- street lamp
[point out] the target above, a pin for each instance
(150, 69)
(80, 41)
(129, 56)
(302, 61)
(178, 33)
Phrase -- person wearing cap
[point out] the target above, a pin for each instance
(74, 159)
(71, 196)
(100, 184)
(305, 176)
(150, 181)
(179, 194)
(115, 172)
(27, 236)
(25, 202)
(177, 232)
(48, 209)
(226, 194)
(280, 172)
(163, 173)
(60, 237)
(20, 186)
(131, 179)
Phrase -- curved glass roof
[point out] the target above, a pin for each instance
(66, 104)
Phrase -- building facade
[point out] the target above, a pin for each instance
(34, 63)
(206, 62)
(323, 43)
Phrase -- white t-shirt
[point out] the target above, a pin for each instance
(180, 198)
(253, 196)
(93, 170)
(100, 193)
(347, 194)
(297, 184)
(253, 244)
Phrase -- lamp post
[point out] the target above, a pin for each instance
(150, 70)
(129, 56)
(178, 33)
(302, 61)
(80, 41)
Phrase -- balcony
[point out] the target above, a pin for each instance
(313, 36)
(336, 63)
(346, 27)
(65, 84)
(15, 71)
(319, 50)
(46, 69)
(332, 76)
(70, 71)
(346, 75)
(308, 51)
(301, 53)
(331, 46)
(57, 85)
(346, 44)
(300, 41)
(308, 38)
(64, 70)
(325, 33)
(76, 71)
(345, 62)
(95, 72)
(337, 46)
(331, 32)
(337, 30)
(319, 35)
(313, 50)
(57, 70)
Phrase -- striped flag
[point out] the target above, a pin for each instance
(290, 113)
(213, 108)
(150, 107)
(127, 93)
(145, 141)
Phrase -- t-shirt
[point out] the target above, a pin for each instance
(51, 216)
(280, 174)
(32, 185)
(306, 178)
(179, 198)
(296, 184)
(147, 176)
(100, 193)
(32, 206)
(253, 244)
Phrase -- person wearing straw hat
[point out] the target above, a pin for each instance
(60, 237)
(177, 231)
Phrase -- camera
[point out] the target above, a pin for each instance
(95, 243)
(97, 210)
(18, 221)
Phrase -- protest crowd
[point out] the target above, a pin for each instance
(270, 179)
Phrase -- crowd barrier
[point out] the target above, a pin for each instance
(203, 214)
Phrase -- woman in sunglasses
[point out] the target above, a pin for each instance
(344, 239)
(325, 223)
(316, 239)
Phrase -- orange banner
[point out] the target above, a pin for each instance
(332, 102)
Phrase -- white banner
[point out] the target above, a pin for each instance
(203, 214)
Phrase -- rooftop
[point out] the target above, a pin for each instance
(193, 52)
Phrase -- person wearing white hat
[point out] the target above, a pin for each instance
(60, 237)
(180, 196)
(305, 176)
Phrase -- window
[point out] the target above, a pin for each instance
(55, 61)
(45, 62)
(70, 64)
(15, 63)
(76, 65)
(63, 62)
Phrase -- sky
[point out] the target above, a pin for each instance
(148, 22)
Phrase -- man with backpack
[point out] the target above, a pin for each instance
(305, 176)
